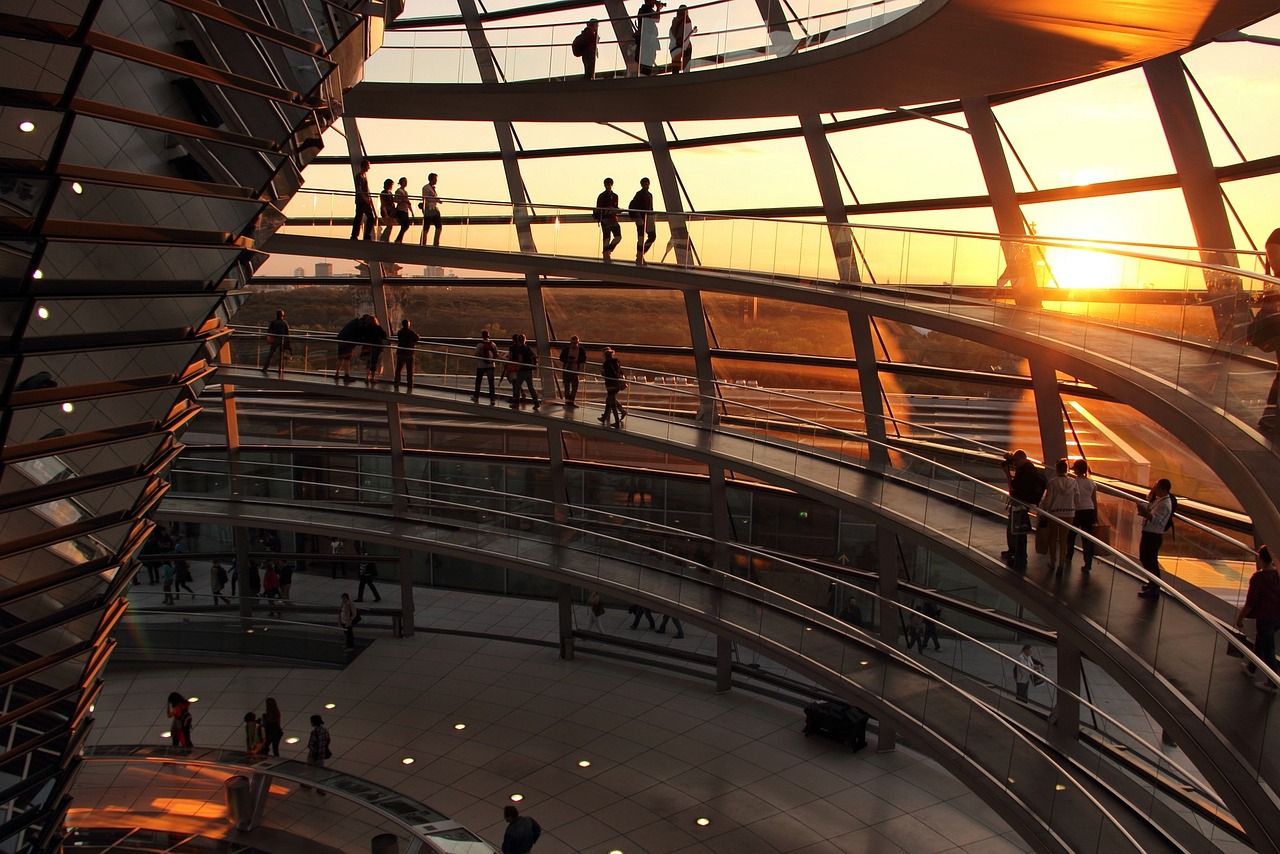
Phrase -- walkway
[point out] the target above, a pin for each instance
(1021, 774)
(663, 748)
(929, 54)
(1186, 387)
(1168, 657)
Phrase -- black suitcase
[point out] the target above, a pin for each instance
(837, 721)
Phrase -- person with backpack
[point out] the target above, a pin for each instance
(1158, 512)
(1027, 485)
(586, 46)
(522, 356)
(278, 342)
(486, 355)
(218, 581)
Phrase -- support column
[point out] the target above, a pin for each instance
(781, 42)
(824, 171)
(541, 334)
(240, 542)
(1066, 710)
(564, 602)
(231, 422)
(669, 183)
(1019, 263)
(864, 350)
(724, 665)
(623, 32)
(887, 560)
(1044, 386)
(1167, 80)
(722, 532)
(707, 393)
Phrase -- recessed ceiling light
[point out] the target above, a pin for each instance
(330, 705)
(408, 760)
(38, 274)
(584, 764)
(77, 187)
(166, 734)
(703, 822)
(517, 797)
(459, 726)
(26, 126)
(193, 699)
(1059, 788)
(293, 739)
(68, 407)
(42, 312)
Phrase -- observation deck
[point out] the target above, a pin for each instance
(940, 50)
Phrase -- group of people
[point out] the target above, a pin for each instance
(518, 369)
(367, 333)
(262, 734)
(1070, 499)
(395, 207)
(642, 53)
(640, 209)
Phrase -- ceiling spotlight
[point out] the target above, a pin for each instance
(459, 726)
(38, 274)
(703, 822)
(517, 797)
(193, 699)
(77, 187)
(330, 705)
(68, 407)
(584, 764)
(42, 312)
(26, 126)
(293, 739)
(408, 760)
(166, 734)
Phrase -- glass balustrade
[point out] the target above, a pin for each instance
(940, 501)
(726, 35)
(1154, 311)
(950, 694)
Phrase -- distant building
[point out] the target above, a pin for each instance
(433, 272)
(298, 272)
(324, 270)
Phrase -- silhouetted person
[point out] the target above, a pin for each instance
(364, 204)
(641, 210)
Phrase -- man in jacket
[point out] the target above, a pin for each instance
(522, 832)
(573, 361)
(1262, 604)
(641, 210)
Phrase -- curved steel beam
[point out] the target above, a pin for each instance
(942, 50)
(877, 677)
(1167, 664)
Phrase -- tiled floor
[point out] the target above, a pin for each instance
(665, 750)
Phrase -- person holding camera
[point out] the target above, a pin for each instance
(1026, 488)
(647, 40)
